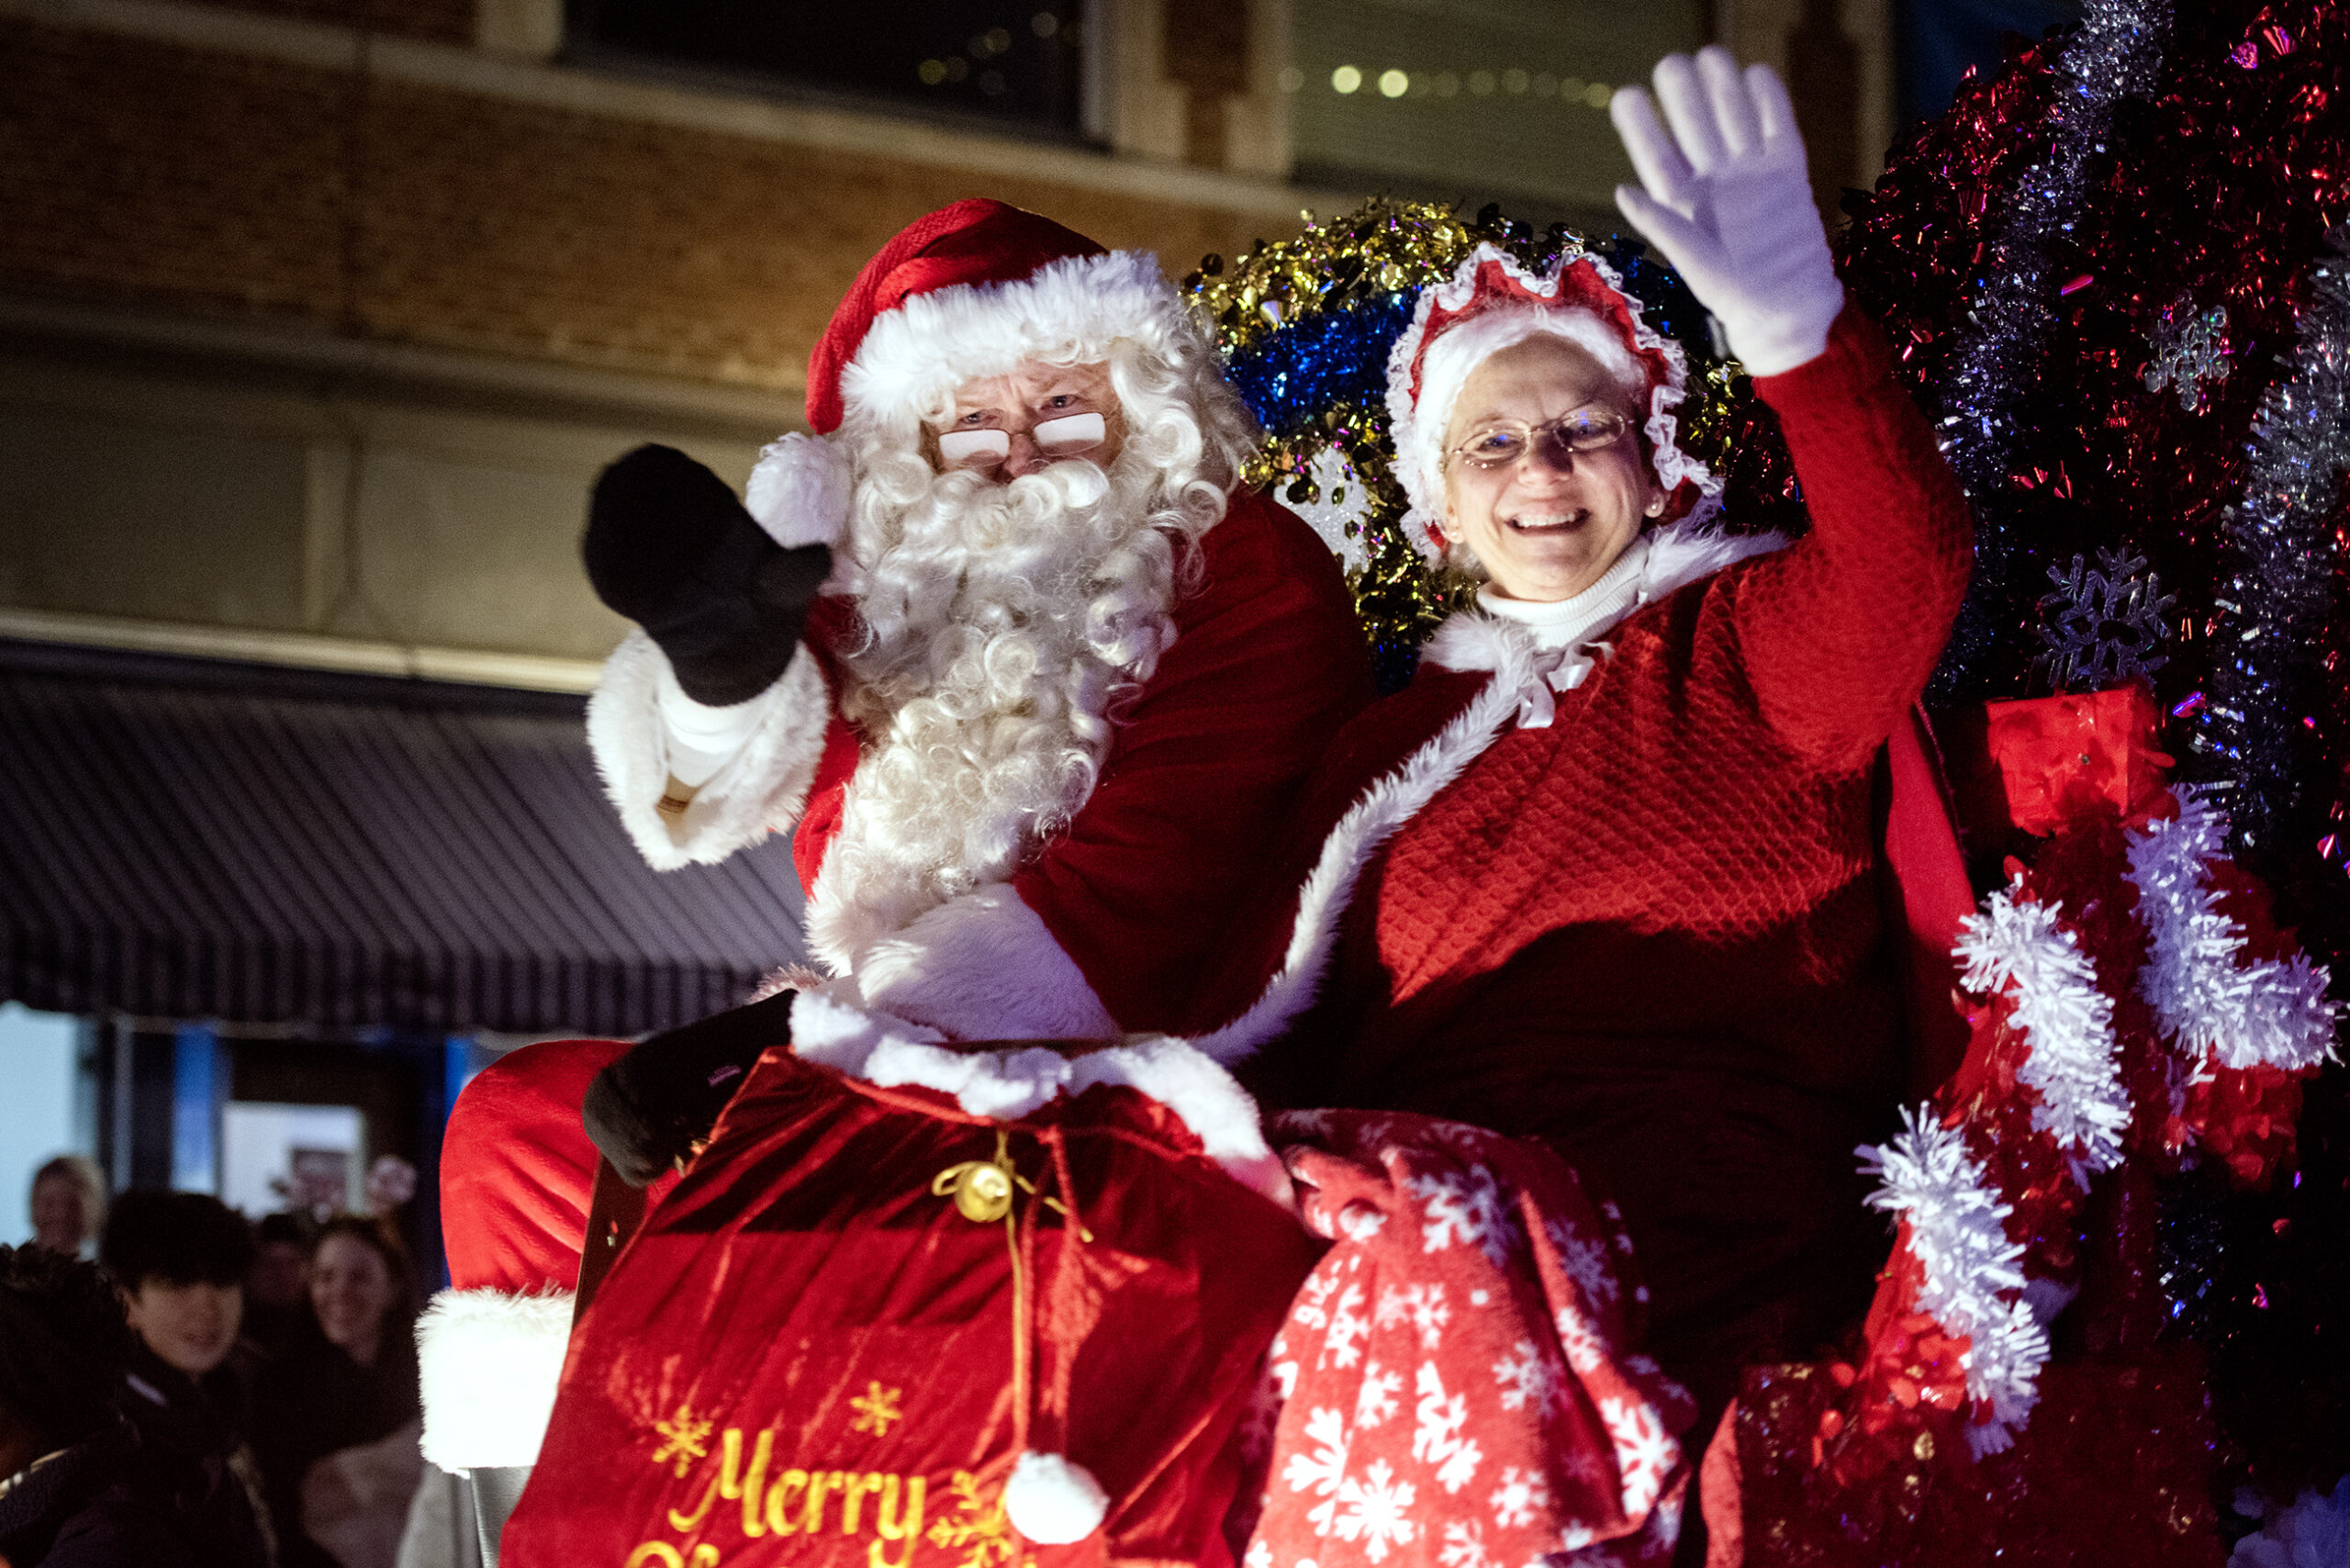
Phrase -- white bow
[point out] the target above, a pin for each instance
(1555, 670)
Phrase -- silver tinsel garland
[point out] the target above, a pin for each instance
(2249, 738)
(2116, 54)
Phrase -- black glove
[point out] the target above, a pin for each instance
(668, 546)
(647, 1110)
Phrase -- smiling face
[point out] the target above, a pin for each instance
(1550, 525)
(1039, 414)
(191, 1326)
(350, 1289)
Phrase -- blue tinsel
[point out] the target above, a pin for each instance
(1321, 360)
(1666, 303)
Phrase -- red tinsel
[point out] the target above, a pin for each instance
(2216, 192)
(2077, 766)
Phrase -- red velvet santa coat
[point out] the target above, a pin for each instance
(1106, 928)
(1654, 932)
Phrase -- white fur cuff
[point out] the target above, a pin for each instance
(763, 787)
(489, 1362)
(984, 967)
(800, 491)
(877, 1049)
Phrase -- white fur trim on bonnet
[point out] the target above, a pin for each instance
(1419, 422)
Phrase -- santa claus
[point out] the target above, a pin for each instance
(1051, 620)
(1032, 676)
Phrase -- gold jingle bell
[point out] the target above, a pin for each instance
(982, 1193)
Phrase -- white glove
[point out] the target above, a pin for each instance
(702, 740)
(1731, 205)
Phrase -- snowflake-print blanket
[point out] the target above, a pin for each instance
(1458, 1386)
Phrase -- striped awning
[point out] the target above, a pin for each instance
(199, 839)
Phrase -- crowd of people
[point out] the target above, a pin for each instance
(181, 1387)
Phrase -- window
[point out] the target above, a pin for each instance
(1943, 39)
(1475, 100)
(1018, 63)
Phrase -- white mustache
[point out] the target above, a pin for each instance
(1024, 516)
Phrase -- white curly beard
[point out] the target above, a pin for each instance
(1005, 621)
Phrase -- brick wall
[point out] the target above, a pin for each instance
(132, 172)
(439, 21)
(185, 179)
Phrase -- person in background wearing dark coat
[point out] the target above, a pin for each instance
(66, 1449)
(337, 1413)
(69, 1203)
(277, 1290)
(179, 1260)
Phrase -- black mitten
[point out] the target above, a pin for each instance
(668, 546)
(647, 1110)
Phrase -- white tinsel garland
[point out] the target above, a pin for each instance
(2213, 1006)
(2250, 736)
(2066, 1021)
(1973, 1276)
(2116, 53)
(1341, 509)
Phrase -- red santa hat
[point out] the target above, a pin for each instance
(517, 1172)
(973, 290)
(1492, 302)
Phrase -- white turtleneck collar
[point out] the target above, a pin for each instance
(1562, 624)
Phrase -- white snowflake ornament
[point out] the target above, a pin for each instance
(2187, 349)
(2105, 626)
(1340, 513)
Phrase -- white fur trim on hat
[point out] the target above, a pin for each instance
(1420, 424)
(1066, 312)
(489, 1362)
(1455, 354)
(800, 491)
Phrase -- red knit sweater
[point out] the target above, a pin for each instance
(1653, 933)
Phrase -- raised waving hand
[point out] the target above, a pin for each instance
(1726, 197)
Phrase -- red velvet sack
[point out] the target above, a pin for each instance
(809, 1355)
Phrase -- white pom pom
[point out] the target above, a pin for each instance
(799, 492)
(1053, 1501)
